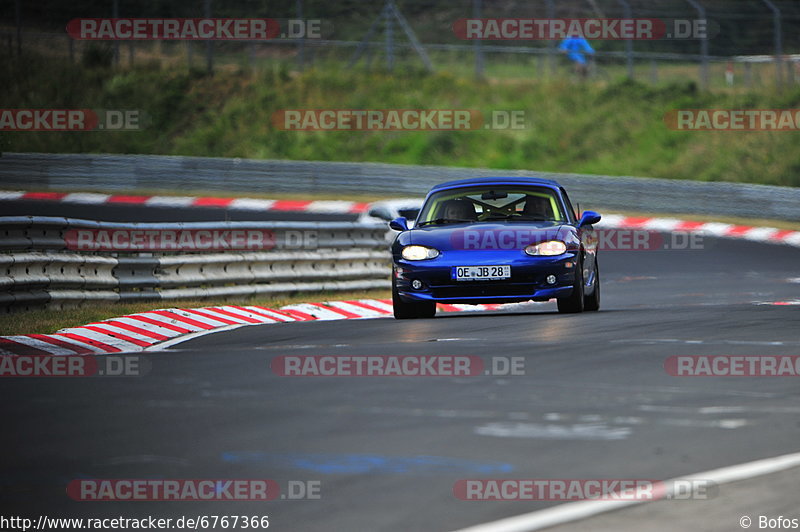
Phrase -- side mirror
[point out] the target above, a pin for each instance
(589, 218)
(399, 224)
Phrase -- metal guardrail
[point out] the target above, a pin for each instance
(40, 264)
(147, 172)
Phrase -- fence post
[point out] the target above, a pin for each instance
(626, 7)
(18, 20)
(389, 38)
(701, 12)
(209, 43)
(364, 46)
(115, 14)
(412, 37)
(302, 43)
(776, 24)
(551, 14)
(476, 13)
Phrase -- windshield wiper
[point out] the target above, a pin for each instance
(443, 220)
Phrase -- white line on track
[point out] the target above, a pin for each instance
(574, 511)
(704, 342)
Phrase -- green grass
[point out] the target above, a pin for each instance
(610, 127)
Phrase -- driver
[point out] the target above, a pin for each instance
(458, 209)
(538, 208)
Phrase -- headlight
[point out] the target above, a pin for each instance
(419, 253)
(547, 249)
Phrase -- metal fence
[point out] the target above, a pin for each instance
(151, 172)
(751, 43)
(39, 266)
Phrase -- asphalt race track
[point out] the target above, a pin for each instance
(595, 402)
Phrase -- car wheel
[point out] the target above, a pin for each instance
(574, 303)
(592, 302)
(407, 311)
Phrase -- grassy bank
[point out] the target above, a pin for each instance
(609, 127)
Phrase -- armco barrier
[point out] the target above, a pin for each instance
(351, 257)
(38, 268)
(149, 172)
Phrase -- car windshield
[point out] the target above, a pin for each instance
(492, 203)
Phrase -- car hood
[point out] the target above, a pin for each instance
(452, 236)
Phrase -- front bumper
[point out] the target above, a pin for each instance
(527, 281)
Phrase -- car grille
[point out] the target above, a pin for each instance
(483, 290)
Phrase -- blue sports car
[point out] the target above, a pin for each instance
(495, 240)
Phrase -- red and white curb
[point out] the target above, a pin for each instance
(769, 235)
(246, 204)
(161, 328)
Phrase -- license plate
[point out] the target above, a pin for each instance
(481, 273)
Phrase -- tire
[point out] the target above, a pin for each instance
(410, 311)
(573, 304)
(592, 302)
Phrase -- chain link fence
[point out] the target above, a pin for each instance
(749, 42)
